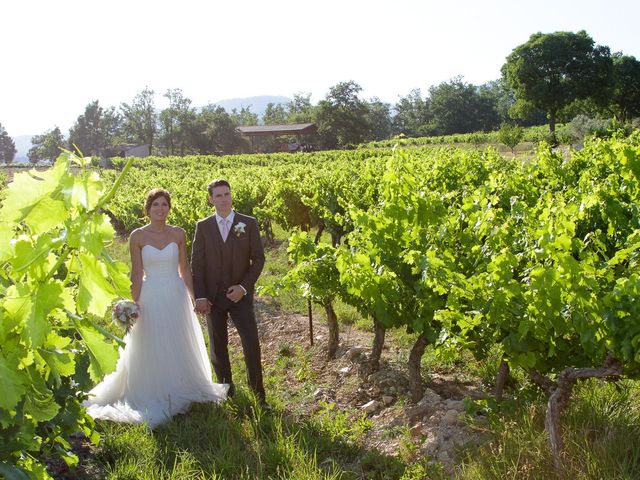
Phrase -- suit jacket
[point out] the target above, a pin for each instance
(206, 256)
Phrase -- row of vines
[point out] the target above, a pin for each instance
(532, 134)
(470, 250)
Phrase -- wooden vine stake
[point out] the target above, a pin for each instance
(310, 310)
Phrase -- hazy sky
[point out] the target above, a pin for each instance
(57, 56)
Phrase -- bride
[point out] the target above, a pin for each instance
(164, 366)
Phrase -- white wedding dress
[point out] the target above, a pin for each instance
(164, 366)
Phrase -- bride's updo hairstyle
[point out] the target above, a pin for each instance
(152, 195)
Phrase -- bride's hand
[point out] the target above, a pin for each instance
(202, 306)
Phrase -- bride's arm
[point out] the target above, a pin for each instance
(136, 265)
(184, 267)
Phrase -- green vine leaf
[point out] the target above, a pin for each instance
(11, 385)
(95, 292)
(104, 355)
(34, 199)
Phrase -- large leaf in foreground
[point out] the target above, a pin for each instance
(34, 198)
(103, 354)
(10, 385)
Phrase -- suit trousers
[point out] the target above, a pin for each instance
(243, 317)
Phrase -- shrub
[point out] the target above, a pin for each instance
(510, 135)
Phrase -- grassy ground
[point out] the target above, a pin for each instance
(601, 434)
(237, 440)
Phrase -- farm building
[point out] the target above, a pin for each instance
(269, 138)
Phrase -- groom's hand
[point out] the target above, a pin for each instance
(235, 293)
(203, 306)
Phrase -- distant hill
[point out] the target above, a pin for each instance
(256, 105)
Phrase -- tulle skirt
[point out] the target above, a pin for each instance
(164, 366)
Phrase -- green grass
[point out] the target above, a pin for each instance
(237, 440)
(601, 435)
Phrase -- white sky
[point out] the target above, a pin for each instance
(57, 56)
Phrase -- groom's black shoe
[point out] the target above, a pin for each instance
(264, 405)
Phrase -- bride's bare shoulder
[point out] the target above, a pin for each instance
(137, 235)
(177, 232)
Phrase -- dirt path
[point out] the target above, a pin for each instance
(437, 426)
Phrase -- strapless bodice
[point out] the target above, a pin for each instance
(160, 262)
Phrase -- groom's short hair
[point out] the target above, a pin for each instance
(218, 182)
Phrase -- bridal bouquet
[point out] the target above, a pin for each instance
(125, 314)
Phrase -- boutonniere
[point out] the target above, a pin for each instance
(238, 228)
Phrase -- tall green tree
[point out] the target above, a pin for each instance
(457, 107)
(625, 97)
(275, 114)
(342, 116)
(379, 120)
(47, 146)
(502, 98)
(300, 109)
(7, 147)
(176, 122)
(552, 70)
(411, 115)
(216, 131)
(244, 117)
(95, 130)
(140, 120)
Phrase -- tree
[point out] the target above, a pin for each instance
(140, 123)
(245, 117)
(458, 107)
(274, 114)
(176, 123)
(7, 147)
(502, 98)
(47, 146)
(300, 109)
(553, 70)
(625, 97)
(412, 115)
(379, 120)
(94, 130)
(216, 131)
(342, 116)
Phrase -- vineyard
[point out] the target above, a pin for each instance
(464, 249)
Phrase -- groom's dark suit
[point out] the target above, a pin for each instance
(216, 265)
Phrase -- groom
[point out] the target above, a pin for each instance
(226, 261)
